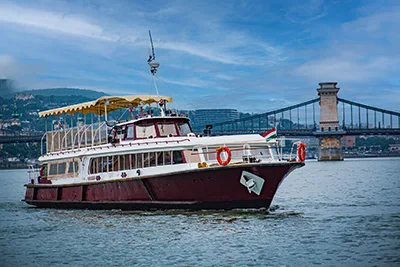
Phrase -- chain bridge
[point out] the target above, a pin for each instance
(326, 117)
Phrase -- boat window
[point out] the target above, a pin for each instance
(133, 161)
(110, 163)
(149, 159)
(121, 162)
(148, 131)
(184, 128)
(177, 157)
(73, 167)
(129, 133)
(127, 162)
(152, 159)
(115, 163)
(167, 158)
(139, 159)
(166, 129)
(160, 160)
(104, 164)
(93, 166)
(192, 156)
(53, 169)
(62, 167)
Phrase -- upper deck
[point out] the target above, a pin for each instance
(64, 136)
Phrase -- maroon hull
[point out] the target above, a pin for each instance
(207, 188)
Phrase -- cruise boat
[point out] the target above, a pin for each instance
(151, 160)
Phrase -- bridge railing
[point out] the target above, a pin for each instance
(355, 115)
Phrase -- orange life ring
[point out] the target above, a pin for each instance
(219, 151)
(301, 152)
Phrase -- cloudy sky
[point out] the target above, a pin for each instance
(251, 55)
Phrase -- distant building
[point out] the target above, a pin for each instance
(394, 147)
(24, 97)
(202, 117)
(349, 141)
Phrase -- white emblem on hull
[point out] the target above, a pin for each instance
(252, 182)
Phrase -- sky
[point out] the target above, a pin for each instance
(254, 56)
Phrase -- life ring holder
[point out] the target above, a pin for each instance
(301, 152)
(228, 151)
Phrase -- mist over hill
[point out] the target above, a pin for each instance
(8, 89)
(65, 92)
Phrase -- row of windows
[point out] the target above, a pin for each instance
(135, 161)
(58, 168)
(165, 129)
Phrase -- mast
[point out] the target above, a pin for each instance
(153, 69)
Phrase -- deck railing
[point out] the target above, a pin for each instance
(240, 153)
(77, 137)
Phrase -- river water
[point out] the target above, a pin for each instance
(327, 213)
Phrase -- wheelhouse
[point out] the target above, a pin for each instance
(155, 127)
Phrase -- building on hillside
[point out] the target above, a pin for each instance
(203, 117)
(24, 97)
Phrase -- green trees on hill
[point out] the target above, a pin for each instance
(375, 141)
(21, 151)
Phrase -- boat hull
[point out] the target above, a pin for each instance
(205, 188)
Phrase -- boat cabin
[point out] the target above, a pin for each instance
(152, 127)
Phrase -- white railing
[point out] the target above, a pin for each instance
(243, 153)
(77, 137)
(33, 174)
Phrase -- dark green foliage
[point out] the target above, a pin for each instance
(374, 141)
(21, 151)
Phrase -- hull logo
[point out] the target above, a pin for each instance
(252, 182)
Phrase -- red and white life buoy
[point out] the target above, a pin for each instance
(301, 152)
(228, 152)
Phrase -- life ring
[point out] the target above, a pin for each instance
(228, 151)
(301, 152)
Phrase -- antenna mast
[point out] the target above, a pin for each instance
(153, 70)
(153, 65)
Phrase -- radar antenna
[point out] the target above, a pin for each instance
(153, 65)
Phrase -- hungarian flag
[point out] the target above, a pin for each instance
(271, 134)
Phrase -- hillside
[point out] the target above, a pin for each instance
(8, 89)
(65, 92)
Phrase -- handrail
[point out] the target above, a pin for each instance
(75, 137)
(41, 144)
(64, 138)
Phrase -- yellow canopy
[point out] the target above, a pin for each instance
(98, 106)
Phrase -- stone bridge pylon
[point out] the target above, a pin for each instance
(329, 134)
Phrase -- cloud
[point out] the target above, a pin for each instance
(11, 68)
(232, 49)
(362, 50)
(344, 69)
(306, 11)
(58, 22)
(8, 66)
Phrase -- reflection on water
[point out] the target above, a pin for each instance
(331, 213)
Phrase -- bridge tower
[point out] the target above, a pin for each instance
(329, 133)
